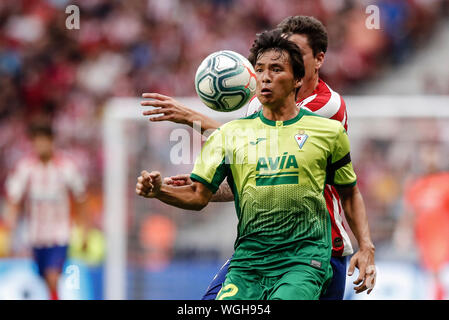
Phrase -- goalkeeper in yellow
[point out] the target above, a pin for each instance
(277, 163)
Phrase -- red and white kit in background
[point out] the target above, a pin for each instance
(327, 103)
(46, 187)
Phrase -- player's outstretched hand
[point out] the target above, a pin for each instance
(149, 184)
(179, 180)
(364, 261)
(167, 108)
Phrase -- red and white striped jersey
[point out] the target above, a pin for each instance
(45, 189)
(327, 103)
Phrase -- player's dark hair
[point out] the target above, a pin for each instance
(40, 128)
(274, 40)
(311, 27)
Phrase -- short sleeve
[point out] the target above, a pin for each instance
(210, 166)
(339, 168)
(17, 182)
(75, 181)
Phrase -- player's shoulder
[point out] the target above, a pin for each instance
(315, 116)
(325, 90)
(62, 158)
(27, 161)
(335, 97)
(321, 122)
(23, 167)
(65, 162)
(324, 101)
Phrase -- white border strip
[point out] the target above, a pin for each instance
(397, 106)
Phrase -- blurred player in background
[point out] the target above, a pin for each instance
(44, 181)
(427, 214)
(315, 95)
(283, 246)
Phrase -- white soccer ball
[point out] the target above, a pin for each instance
(225, 81)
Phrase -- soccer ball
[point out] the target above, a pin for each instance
(225, 81)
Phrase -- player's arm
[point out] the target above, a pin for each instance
(191, 197)
(11, 214)
(80, 207)
(10, 217)
(169, 109)
(340, 173)
(83, 219)
(355, 212)
(76, 183)
(363, 259)
(223, 194)
(15, 186)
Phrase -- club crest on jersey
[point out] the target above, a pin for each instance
(301, 138)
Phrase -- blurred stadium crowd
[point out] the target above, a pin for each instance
(125, 48)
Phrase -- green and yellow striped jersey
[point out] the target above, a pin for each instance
(277, 171)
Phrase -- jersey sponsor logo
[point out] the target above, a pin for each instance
(268, 164)
(301, 138)
(257, 141)
(280, 162)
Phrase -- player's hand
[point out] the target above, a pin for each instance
(364, 261)
(149, 184)
(167, 108)
(179, 180)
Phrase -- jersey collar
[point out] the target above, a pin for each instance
(278, 123)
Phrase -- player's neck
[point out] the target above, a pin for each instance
(283, 112)
(45, 159)
(308, 87)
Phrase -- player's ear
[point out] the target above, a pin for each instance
(298, 83)
(319, 60)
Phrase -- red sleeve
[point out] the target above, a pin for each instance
(341, 114)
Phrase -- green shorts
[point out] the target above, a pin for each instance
(303, 283)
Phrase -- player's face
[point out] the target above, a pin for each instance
(312, 63)
(275, 80)
(43, 146)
